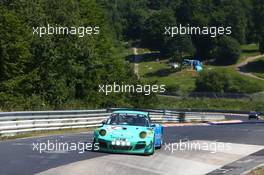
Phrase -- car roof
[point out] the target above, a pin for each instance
(130, 112)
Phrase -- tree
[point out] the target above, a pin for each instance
(135, 22)
(154, 38)
(258, 16)
(227, 51)
(153, 33)
(178, 46)
(155, 4)
(251, 35)
(186, 10)
(56, 69)
(14, 45)
(235, 18)
(261, 45)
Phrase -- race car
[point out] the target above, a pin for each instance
(128, 131)
(253, 115)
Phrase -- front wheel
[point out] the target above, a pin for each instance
(93, 147)
(152, 150)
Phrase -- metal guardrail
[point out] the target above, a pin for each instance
(19, 122)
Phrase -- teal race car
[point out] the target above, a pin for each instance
(128, 132)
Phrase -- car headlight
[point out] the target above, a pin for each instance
(102, 132)
(143, 134)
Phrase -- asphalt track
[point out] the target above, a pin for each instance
(246, 142)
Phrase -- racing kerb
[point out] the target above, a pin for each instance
(20, 122)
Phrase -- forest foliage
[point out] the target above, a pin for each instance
(58, 70)
(145, 20)
(51, 71)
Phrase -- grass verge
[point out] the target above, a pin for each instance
(180, 82)
(183, 82)
(44, 133)
(248, 50)
(243, 104)
(257, 171)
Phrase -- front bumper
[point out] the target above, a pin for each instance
(139, 147)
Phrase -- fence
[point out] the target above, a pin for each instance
(19, 122)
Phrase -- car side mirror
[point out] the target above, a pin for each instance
(104, 122)
(153, 125)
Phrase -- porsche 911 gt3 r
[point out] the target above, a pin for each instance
(129, 132)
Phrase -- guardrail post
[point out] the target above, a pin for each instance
(181, 117)
(203, 118)
(164, 114)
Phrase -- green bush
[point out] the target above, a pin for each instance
(35, 103)
(227, 51)
(223, 81)
(9, 102)
(212, 82)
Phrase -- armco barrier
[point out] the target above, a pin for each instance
(19, 122)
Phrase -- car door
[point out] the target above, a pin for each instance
(158, 134)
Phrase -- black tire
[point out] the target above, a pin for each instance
(153, 150)
(93, 144)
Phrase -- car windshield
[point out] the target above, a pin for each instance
(128, 119)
